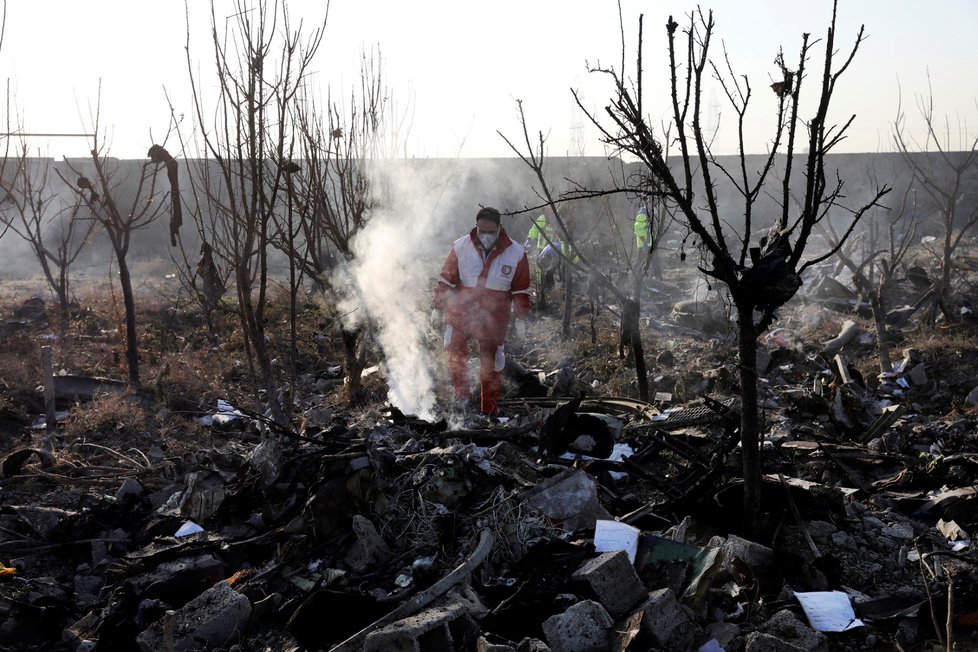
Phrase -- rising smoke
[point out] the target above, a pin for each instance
(397, 259)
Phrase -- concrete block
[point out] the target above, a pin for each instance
(440, 628)
(668, 623)
(216, 619)
(584, 627)
(613, 580)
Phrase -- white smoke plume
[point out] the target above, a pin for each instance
(397, 259)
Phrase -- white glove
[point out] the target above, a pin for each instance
(435, 319)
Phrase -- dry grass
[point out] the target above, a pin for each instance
(106, 415)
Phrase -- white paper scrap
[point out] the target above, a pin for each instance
(188, 528)
(610, 536)
(711, 645)
(829, 611)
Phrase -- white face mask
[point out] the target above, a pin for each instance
(488, 240)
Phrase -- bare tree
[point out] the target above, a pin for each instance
(55, 233)
(942, 170)
(630, 334)
(873, 255)
(762, 278)
(336, 192)
(261, 62)
(120, 208)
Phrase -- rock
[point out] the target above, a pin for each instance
(584, 627)
(753, 554)
(918, 375)
(441, 628)
(668, 623)
(726, 634)
(483, 645)
(843, 540)
(788, 629)
(216, 619)
(972, 397)
(532, 645)
(760, 642)
(86, 589)
(570, 498)
(613, 580)
(900, 531)
(369, 550)
(129, 492)
(178, 581)
(703, 315)
(821, 530)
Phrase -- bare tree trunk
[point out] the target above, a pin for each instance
(64, 309)
(354, 348)
(568, 298)
(632, 335)
(132, 354)
(879, 318)
(750, 423)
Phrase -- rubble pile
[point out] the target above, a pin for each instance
(578, 520)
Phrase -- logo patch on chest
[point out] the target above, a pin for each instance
(507, 270)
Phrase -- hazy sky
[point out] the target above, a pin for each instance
(456, 68)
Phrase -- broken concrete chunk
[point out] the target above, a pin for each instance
(483, 645)
(918, 375)
(440, 628)
(901, 531)
(532, 645)
(613, 580)
(130, 491)
(751, 553)
(584, 627)
(369, 549)
(216, 619)
(668, 623)
(821, 530)
(569, 498)
(177, 581)
(761, 642)
(788, 629)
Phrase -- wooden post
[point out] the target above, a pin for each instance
(51, 419)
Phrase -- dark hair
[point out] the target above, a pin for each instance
(488, 213)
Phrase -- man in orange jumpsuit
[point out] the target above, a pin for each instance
(485, 277)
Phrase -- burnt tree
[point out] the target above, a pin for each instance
(760, 277)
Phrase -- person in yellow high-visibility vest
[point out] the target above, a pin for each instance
(643, 241)
(540, 233)
(643, 230)
(538, 237)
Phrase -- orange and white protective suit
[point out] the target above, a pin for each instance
(478, 290)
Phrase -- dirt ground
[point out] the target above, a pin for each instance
(868, 487)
